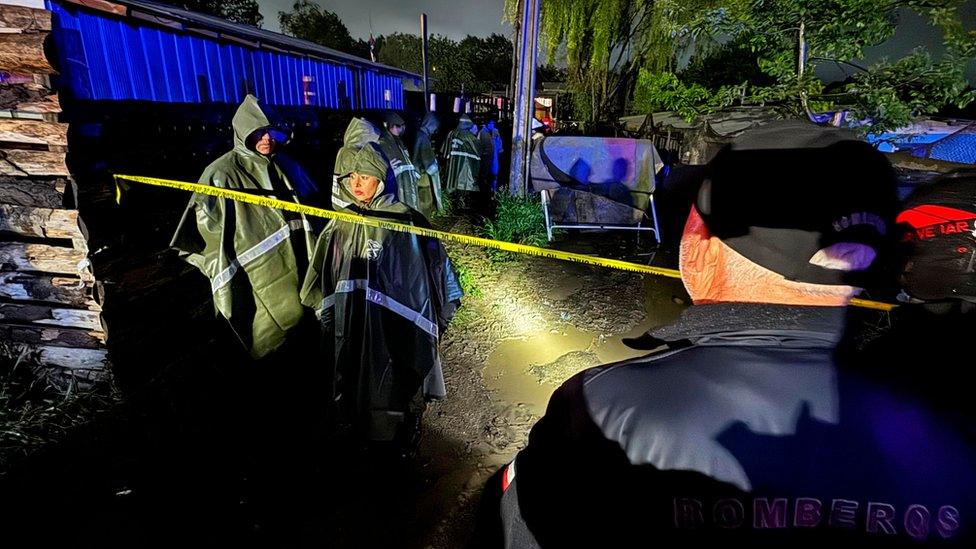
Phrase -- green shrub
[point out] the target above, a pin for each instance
(466, 280)
(448, 208)
(518, 219)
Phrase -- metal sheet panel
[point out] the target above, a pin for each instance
(105, 57)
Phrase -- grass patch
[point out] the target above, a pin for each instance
(463, 317)
(32, 412)
(518, 219)
(449, 207)
(466, 280)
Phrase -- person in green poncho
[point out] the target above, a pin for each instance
(404, 171)
(429, 185)
(383, 299)
(462, 151)
(359, 133)
(253, 256)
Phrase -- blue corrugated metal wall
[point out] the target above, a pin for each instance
(109, 58)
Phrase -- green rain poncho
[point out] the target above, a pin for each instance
(404, 171)
(429, 186)
(251, 254)
(383, 299)
(463, 160)
(359, 133)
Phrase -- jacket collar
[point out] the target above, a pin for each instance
(819, 325)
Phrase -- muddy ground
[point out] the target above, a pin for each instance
(533, 323)
(210, 457)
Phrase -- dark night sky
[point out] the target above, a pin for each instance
(454, 18)
(457, 18)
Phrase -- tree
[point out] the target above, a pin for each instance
(728, 64)
(472, 65)
(403, 51)
(240, 11)
(490, 58)
(606, 42)
(308, 21)
(793, 37)
(788, 39)
(550, 73)
(361, 47)
(452, 67)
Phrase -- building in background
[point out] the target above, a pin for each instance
(142, 51)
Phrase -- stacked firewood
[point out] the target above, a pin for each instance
(49, 299)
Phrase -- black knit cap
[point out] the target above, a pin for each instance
(781, 192)
(393, 119)
(938, 251)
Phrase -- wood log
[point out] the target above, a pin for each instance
(9, 78)
(21, 96)
(34, 133)
(102, 5)
(31, 163)
(47, 107)
(46, 335)
(24, 19)
(57, 290)
(73, 359)
(38, 193)
(41, 223)
(14, 94)
(24, 53)
(40, 314)
(41, 258)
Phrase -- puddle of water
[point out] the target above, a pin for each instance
(507, 370)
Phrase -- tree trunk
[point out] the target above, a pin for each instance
(801, 51)
(801, 61)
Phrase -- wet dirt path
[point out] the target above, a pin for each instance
(531, 324)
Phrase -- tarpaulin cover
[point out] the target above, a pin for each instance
(617, 168)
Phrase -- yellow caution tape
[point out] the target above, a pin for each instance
(269, 202)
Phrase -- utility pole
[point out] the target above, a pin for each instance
(516, 40)
(528, 46)
(426, 59)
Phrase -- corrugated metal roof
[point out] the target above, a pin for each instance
(259, 37)
(107, 57)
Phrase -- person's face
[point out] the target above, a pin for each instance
(265, 144)
(396, 130)
(363, 186)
